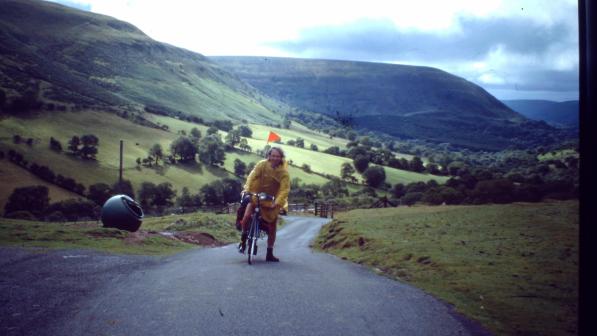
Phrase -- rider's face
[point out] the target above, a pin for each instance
(275, 158)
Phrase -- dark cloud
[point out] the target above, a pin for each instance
(381, 41)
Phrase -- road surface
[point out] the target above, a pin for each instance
(213, 291)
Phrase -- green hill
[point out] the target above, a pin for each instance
(68, 59)
(400, 100)
(138, 139)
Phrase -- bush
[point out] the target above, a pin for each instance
(33, 199)
(433, 197)
(21, 214)
(411, 198)
(56, 216)
(495, 191)
(75, 209)
(375, 176)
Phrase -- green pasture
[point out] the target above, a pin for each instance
(110, 129)
(558, 155)
(13, 176)
(512, 267)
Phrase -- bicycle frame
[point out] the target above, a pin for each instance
(255, 225)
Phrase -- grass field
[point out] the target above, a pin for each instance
(319, 162)
(91, 235)
(110, 129)
(514, 267)
(13, 176)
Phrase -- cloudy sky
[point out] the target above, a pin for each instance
(515, 49)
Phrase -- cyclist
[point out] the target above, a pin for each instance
(269, 176)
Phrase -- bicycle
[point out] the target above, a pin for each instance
(255, 231)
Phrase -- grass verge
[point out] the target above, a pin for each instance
(513, 267)
(187, 232)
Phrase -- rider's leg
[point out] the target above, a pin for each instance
(271, 239)
(245, 221)
(245, 227)
(271, 235)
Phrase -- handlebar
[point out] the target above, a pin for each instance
(262, 196)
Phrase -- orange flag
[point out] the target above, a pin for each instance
(273, 137)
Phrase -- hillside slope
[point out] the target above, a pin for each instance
(66, 57)
(400, 100)
(559, 114)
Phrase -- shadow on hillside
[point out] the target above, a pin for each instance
(218, 172)
(192, 167)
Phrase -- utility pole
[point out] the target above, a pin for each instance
(120, 170)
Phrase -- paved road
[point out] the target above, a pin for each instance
(214, 292)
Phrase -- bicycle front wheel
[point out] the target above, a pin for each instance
(249, 249)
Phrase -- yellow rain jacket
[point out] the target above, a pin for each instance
(275, 182)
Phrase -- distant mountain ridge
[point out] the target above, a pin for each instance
(400, 100)
(65, 55)
(559, 114)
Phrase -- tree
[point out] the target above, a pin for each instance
(2, 99)
(347, 171)
(398, 190)
(75, 209)
(432, 196)
(224, 125)
(300, 143)
(232, 138)
(433, 169)
(195, 133)
(212, 193)
(314, 147)
(495, 191)
(34, 199)
(212, 130)
(147, 194)
(186, 200)
(124, 188)
(55, 145)
(156, 152)
(361, 163)
(416, 164)
(375, 176)
(244, 145)
(334, 188)
(184, 148)
(240, 168)
(394, 163)
(90, 143)
(231, 189)
(211, 150)
(451, 195)
(245, 131)
(73, 144)
(411, 198)
(99, 193)
(164, 193)
(334, 150)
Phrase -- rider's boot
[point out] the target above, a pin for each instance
(243, 242)
(270, 255)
